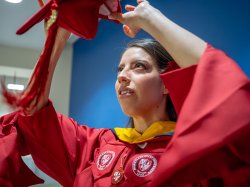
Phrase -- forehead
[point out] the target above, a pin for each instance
(134, 54)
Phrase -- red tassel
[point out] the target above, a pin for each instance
(29, 98)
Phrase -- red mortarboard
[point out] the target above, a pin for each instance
(77, 16)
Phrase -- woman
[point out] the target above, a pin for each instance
(147, 155)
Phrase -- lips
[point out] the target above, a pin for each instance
(123, 92)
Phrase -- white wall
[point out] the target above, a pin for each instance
(26, 58)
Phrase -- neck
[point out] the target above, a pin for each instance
(145, 118)
(142, 123)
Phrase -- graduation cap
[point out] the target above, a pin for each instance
(77, 16)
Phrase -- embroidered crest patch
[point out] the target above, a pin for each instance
(105, 159)
(144, 165)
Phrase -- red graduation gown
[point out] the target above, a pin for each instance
(211, 138)
(13, 171)
(81, 156)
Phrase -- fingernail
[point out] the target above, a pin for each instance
(126, 29)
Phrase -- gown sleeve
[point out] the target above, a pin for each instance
(13, 171)
(212, 136)
(59, 146)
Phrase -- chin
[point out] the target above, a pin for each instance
(127, 113)
(130, 111)
(127, 110)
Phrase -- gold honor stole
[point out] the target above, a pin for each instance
(131, 136)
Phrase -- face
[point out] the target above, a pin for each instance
(139, 88)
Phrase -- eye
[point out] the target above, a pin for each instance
(140, 65)
(119, 69)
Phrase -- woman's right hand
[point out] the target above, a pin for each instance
(61, 38)
(62, 34)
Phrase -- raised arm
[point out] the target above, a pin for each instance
(61, 39)
(176, 40)
(37, 101)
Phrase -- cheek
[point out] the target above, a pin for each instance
(153, 93)
(151, 86)
(116, 86)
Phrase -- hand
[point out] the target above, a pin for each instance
(135, 18)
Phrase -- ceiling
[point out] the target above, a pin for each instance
(12, 16)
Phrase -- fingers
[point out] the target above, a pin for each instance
(141, 1)
(129, 8)
(130, 32)
(116, 16)
(128, 19)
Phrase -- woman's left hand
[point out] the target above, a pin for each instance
(135, 18)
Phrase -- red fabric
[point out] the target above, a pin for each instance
(69, 152)
(213, 129)
(211, 138)
(172, 65)
(77, 16)
(178, 86)
(28, 98)
(58, 144)
(13, 171)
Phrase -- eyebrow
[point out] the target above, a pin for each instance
(134, 61)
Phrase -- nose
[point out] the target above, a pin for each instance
(123, 80)
(123, 77)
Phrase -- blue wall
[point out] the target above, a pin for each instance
(224, 24)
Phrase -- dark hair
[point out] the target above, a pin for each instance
(162, 59)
